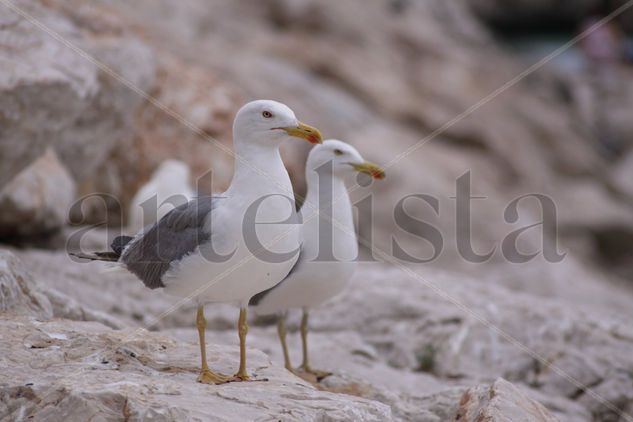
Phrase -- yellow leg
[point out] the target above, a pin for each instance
(242, 329)
(206, 375)
(281, 330)
(305, 365)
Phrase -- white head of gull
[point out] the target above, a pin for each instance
(199, 250)
(330, 248)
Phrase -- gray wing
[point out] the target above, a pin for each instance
(177, 234)
(254, 301)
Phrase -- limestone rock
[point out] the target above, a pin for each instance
(95, 288)
(51, 96)
(405, 350)
(68, 308)
(196, 130)
(500, 401)
(77, 371)
(418, 332)
(37, 200)
(18, 293)
(23, 296)
(622, 174)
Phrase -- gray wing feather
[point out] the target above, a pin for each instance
(174, 236)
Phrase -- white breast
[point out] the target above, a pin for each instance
(314, 281)
(247, 272)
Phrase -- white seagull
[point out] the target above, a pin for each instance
(169, 187)
(205, 249)
(330, 247)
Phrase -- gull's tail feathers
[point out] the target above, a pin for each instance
(97, 256)
(118, 245)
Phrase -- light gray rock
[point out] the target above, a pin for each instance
(500, 401)
(36, 201)
(622, 174)
(97, 288)
(51, 96)
(558, 349)
(21, 295)
(18, 293)
(409, 351)
(77, 371)
(406, 347)
(68, 308)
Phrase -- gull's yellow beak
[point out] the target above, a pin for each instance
(374, 170)
(309, 133)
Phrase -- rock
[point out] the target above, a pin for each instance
(412, 351)
(622, 174)
(68, 308)
(37, 200)
(500, 401)
(78, 370)
(419, 332)
(98, 291)
(51, 96)
(196, 130)
(18, 293)
(21, 295)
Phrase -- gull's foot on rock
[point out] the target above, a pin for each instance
(245, 378)
(311, 375)
(208, 377)
(292, 370)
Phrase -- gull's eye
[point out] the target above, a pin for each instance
(338, 152)
(267, 114)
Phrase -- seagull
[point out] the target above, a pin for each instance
(170, 187)
(201, 250)
(319, 273)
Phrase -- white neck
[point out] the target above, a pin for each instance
(259, 170)
(340, 220)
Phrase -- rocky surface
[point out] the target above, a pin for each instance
(80, 371)
(77, 370)
(51, 96)
(424, 343)
(37, 200)
(195, 129)
(18, 293)
(417, 353)
(500, 401)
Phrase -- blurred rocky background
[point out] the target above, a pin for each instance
(94, 96)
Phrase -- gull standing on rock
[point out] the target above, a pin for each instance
(204, 250)
(319, 273)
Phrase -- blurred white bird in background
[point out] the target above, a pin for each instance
(169, 185)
